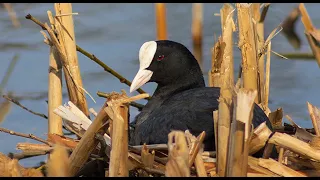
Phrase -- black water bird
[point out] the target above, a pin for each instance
(181, 101)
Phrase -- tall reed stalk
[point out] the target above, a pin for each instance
(65, 28)
(197, 18)
(161, 22)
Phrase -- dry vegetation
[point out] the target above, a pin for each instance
(102, 146)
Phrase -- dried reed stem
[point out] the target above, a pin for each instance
(88, 142)
(65, 29)
(295, 145)
(59, 164)
(279, 168)
(216, 60)
(196, 31)
(259, 43)
(33, 147)
(225, 100)
(27, 154)
(259, 138)
(253, 163)
(118, 113)
(235, 154)
(315, 117)
(178, 163)
(247, 46)
(228, 27)
(147, 158)
(196, 153)
(267, 80)
(215, 126)
(309, 28)
(161, 24)
(11, 168)
(241, 133)
(276, 118)
(54, 93)
(133, 104)
(280, 158)
(195, 148)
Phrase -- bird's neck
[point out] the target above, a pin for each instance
(168, 90)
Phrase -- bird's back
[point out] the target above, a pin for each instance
(191, 109)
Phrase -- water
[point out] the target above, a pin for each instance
(114, 33)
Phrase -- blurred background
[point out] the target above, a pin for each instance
(114, 34)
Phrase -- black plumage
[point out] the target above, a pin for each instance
(181, 101)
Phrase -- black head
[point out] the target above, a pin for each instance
(165, 62)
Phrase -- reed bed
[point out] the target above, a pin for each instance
(101, 147)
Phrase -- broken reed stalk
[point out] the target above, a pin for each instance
(259, 138)
(267, 80)
(33, 147)
(147, 158)
(241, 133)
(295, 145)
(11, 168)
(195, 152)
(247, 46)
(235, 154)
(196, 30)
(228, 27)
(178, 158)
(88, 142)
(275, 118)
(309, 28)
(133, 104)
(27, 154)
(118, 113)
(253, 163)
(92, 57)
(315, 117)
(124, 112)
(195, 148)
(161, 22)
(279, 168)
(225, 100)
(214, 73)
(259, 40)
(54, 90)
(59, 163)
(65, 29)
(215, 126)
(280, 157)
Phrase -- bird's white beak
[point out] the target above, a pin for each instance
(146, 53)
(141, 78)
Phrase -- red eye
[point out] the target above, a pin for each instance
(160, 57)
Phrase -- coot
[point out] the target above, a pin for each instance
(181, 101)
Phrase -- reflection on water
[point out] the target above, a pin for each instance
(114, 33)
